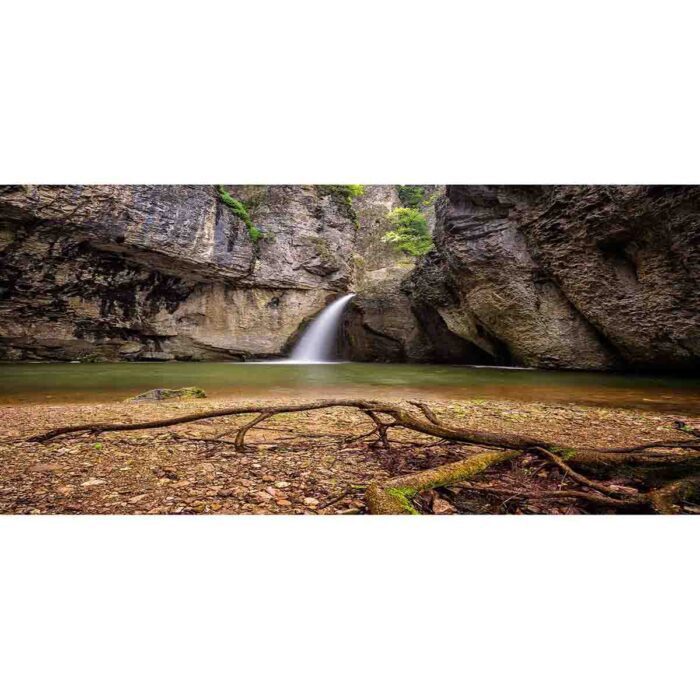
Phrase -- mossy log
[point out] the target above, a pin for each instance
(393, 497)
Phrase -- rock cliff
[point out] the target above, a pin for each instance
(165, 272)
(550, 276)
(381, 324)
(569, 277)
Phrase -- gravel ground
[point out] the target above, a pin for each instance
(297, 464)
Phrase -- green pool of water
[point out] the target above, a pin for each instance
(67, 383)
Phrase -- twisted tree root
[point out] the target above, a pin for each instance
(598, 462)
(381, 427)
(393, 497)
(630, 498)
(596, 498)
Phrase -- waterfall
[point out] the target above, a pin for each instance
(318, 342)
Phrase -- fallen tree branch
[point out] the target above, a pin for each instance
(393, 497)
(599, 462)
(241, 432)
(426, 411)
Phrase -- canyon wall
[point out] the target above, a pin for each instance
(565, 277)
(165, 272)
(379, 325)
(584, 277)
(382, 324)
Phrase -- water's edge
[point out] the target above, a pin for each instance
(97, 383)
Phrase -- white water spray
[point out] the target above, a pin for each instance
(318, 342)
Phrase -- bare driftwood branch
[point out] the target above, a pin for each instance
(240, 434)
(426, 411)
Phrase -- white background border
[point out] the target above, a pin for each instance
(372, 92)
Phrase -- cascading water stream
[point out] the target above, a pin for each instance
(319, 340)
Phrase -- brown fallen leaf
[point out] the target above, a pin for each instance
(442, 507)
(46, 467)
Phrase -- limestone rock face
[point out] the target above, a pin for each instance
(381, 324)
(374, 258)
(569, 277)
(556, 277)
(164, 272)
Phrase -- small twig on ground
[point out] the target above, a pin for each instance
(547, 495)
(335, 500)
(585, 481)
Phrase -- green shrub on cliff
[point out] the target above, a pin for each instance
(355, 191)
(409, 231)
(345, 192)
(238, 208)
(411, 196)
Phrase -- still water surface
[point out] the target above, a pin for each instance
(83, 383)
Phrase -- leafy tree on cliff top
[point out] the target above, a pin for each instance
(409, 231)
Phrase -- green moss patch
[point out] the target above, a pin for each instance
(239, 209)
(186, 392)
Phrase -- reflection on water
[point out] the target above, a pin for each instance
(57, 383)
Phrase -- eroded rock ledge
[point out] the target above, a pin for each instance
(164, 272)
